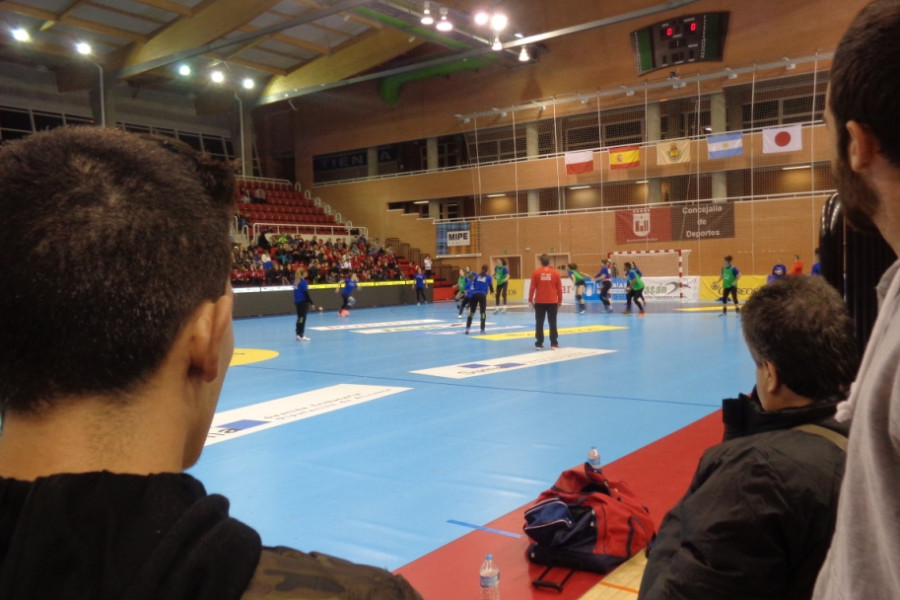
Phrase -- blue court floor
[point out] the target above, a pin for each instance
(394, 432)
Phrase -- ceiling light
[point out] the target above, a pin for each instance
(421, 202)
(519, 35)
(21, 35)
(579, 187)
(184, 70)
(481, 17)
(496, 45)
(427, 19)
(795, 167)
(496, 195)
(444, 24)
(248, 83)
(642, 181)
(83, 48)
(499, 21)
(217, 76)
(523, 56)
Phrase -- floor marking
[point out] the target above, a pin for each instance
(510, 363)
(351, 326)
(424, 327)
(521, 335)
(238, 422)
(475, 327)
(483, 528)
(246, 356)
(700, 309)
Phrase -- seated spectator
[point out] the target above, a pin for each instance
(245, 197)
(259, 196)
(758, 517)
(94, 501)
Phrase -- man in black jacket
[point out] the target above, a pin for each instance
(107, 389)
(759, 514)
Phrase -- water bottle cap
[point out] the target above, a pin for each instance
(488, 557)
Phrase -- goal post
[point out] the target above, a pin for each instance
(654, 263)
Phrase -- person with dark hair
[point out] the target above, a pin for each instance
(729, 278)
(578, 278)
(604, 277)
(108, 391)
(303, 302)
(634, 289)
(345, 289)
(501, 278)
(545, 296)
(760, 510)
(482, 284)
(419, 284)
(861, 115)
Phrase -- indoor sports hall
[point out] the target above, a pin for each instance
(673, 133)
(405, 437)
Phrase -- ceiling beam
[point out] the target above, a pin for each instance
(215, 19)
(352, 16)
(367, 53)
(289, 39)
(184, 11)
(51, 18)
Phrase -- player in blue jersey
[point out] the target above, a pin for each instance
(303, 301)
(604, 278)
(419, 283)
(482, 284)
(346, 290)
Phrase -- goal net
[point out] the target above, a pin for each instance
(653, 263)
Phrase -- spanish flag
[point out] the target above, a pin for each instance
(624, 157)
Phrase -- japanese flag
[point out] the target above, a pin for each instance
(782, 139)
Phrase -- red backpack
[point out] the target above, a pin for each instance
(587, 522)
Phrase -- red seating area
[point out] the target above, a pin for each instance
(283, 205)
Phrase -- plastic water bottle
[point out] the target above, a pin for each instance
(490, 579)
(594, 458)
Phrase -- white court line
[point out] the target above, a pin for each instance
(238, 422)
(510, 363)
(351, 326)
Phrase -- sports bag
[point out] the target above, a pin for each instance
(587, 522)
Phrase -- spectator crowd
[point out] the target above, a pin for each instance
(275, 258)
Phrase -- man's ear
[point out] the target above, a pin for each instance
(771, 380)
(863, 147)
(210, 324)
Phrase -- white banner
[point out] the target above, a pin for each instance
(458, 238)
(658, 288)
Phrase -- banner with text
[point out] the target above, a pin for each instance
(696, 221)
(456, 238)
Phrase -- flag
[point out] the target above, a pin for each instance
(579, 162)
(782, 139)
(624, 157)
(673, 152)
(725, 145)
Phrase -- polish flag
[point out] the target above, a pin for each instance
(782, 139)
(579, 162)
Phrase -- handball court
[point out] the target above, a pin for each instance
(394, 439)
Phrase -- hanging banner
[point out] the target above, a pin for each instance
(703, 220)
(644, 225)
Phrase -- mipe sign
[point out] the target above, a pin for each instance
(457, 238)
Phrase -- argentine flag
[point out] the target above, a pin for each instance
(725, 145)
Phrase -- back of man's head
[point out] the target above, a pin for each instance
(110, 242)
(802, 326)
(864, 75)
(545, 260)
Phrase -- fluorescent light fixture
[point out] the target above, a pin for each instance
(217, 76)
(21, 35)
(795, 167)
(444, 24)
(642, 181)
(248, 83)
(421, 202)
(184, 70)
(83, 48)
(496, 195)
(579, 187)
(427, 18)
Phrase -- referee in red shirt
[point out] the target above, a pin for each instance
(545, 296)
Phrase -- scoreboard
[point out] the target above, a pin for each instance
(682, 40)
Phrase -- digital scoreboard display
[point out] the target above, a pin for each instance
(678, 41)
